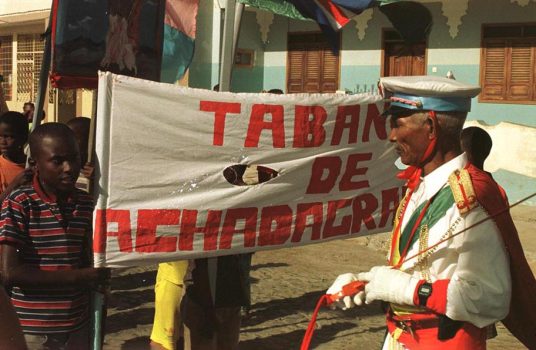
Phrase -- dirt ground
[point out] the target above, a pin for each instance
(286, 285)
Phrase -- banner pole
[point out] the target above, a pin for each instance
(98, 298)
(226, 60)
(236, 28)
(43, 77)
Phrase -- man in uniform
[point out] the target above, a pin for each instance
(444, 296)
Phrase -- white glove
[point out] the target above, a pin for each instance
(388, 284)
(346, 302)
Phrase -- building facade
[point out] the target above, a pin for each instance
(22, 23)
(491, 43)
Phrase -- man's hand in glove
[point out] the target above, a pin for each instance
(346, 302)
(388, 284)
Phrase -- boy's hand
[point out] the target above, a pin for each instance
(94, 277)
(24, 178)
(87, 171)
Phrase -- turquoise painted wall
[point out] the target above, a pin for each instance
(202, 68)
(249, 79)
(361, 59)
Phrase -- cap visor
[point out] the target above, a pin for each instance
(396, 110)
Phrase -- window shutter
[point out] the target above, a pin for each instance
(520, 79)
(508, 63)
(6, 65)
(494, 70)
(330, 72)
(295, 71)
(311, 66)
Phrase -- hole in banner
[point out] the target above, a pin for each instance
(248, 175)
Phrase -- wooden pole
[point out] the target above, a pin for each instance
(98, 299)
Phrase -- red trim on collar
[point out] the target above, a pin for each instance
(41, 193)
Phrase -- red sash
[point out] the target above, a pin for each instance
(521, 320)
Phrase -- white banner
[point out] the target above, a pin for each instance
(179, 171)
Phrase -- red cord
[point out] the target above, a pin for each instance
(311, 328)
(325, 300)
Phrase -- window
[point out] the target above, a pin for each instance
(311, 64)
(244, 58)
(400, 58)
(508, 63)
(6, 65)
(30, 49)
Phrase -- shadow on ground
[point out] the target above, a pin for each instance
(139, 316)
(279, 308)
(292, 340)
(133, 281)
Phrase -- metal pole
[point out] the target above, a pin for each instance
(43, 77)
(226, 61)
(237, 23)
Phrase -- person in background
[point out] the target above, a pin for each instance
(28, 110)
(81, 126)
(168, 289)
(13, 137)
(214, 324)
(477, 143)
(45, 230)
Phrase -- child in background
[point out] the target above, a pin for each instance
(44, 234)
(477, 144)
(13, 137)
(169, 289)
(80, 126)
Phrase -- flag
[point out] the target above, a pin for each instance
(179, 38)
(410, 19)
(340, 12)
(331, 15)
(278, 7)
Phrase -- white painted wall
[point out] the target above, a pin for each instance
(513, 147)
(11, 7)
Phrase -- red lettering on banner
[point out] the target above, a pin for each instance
(344, 227)
(303, 211)
(148, 220)
(317, 182)
(249, 215)
(281, 215)
(189, 228)
(363, 207)
(257, 124)
(342, 123)
(220, 109)
(309, 132)
(124, 234)
(346, 183)
(389, 196)
(374, 117)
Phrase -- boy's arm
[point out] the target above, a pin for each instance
(11, 336)
(13, 238)
(22, 275)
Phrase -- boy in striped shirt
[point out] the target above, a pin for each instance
(44, 234)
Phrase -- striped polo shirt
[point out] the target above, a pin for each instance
(49, 238)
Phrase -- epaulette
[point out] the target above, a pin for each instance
(462, 190)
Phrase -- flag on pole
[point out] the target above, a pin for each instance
(278, 7)
(179, 38)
